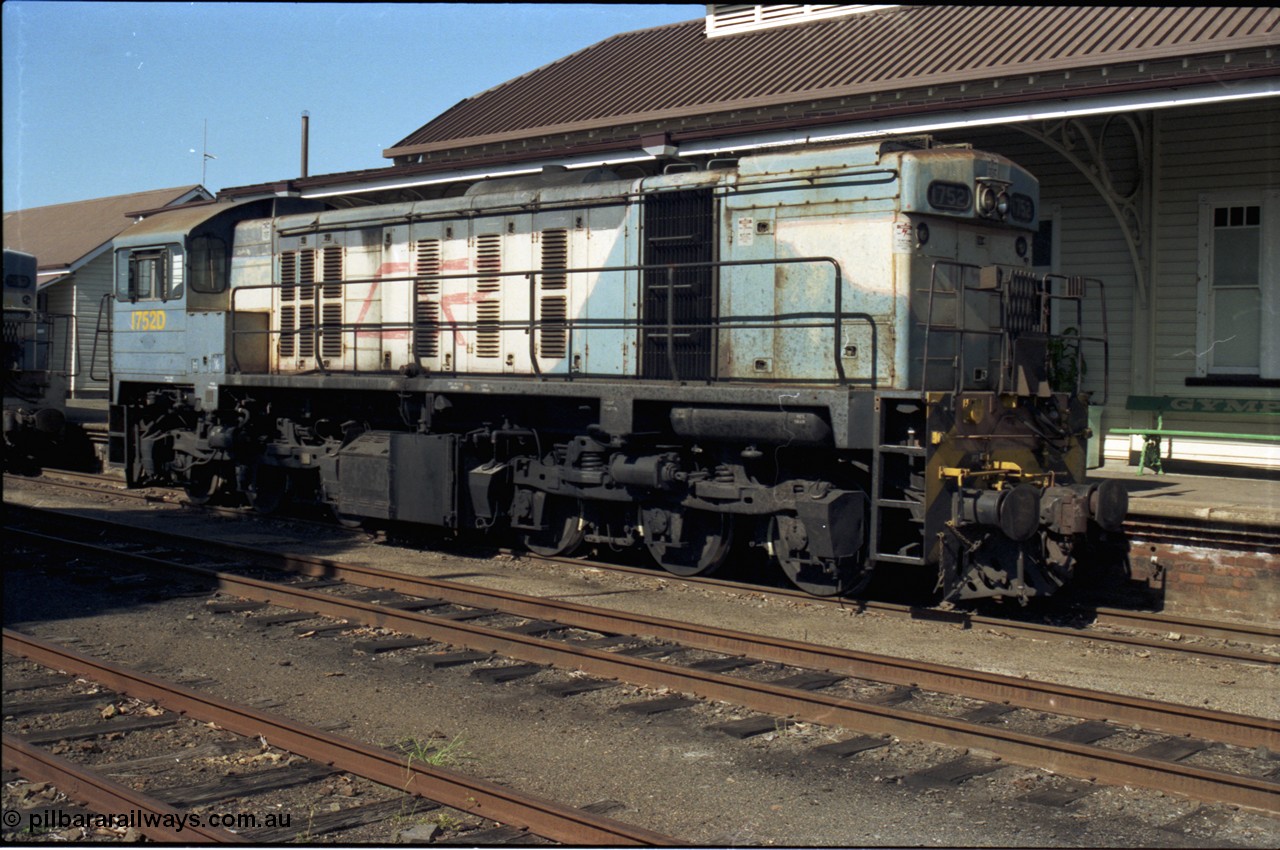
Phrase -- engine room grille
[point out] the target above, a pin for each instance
(679, 227)
(306, 328)
(288, 297)
(1024, 311)
(426, 312)
(488, 312)
(306, 274)
(297, 287)
(289, 276)
(554, 309)
(331, 268)
(331, 302)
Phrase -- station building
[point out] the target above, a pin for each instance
(1155, 133)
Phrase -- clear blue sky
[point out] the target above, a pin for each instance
(105, 98)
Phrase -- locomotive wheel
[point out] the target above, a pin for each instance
(564, 532)
(269, 488)
(346, 520)
(203, 483)
(820, 577)
(687, 543)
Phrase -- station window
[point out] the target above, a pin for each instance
(1238, 291)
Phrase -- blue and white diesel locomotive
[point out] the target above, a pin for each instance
(837, 354)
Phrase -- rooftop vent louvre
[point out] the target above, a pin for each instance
(733, 18)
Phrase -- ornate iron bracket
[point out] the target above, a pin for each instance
(1093, 153)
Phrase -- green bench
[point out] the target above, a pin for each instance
(1161, 405)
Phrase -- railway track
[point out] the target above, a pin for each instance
(1141, 630)
(157, 820)
(326, 754)
(874, 696)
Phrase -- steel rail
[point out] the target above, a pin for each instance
(1252, 633)
(548, 819)
(1169, 718)
(108, 798)
(1255, 632)
(1079, 760)
(1237, 729)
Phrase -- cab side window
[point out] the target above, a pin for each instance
(152, 275)
(207, 262)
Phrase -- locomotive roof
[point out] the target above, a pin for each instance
(173, 225)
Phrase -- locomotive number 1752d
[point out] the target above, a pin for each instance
(146, 320)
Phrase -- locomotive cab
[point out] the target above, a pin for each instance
(170, 332)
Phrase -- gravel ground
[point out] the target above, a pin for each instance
(669, 771)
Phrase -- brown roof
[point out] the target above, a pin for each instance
(676, 72)
(62, 234)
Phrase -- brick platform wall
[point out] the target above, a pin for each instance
(1211, 583)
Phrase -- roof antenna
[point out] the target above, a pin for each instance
(204, 159)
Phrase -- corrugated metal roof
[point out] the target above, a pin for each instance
(676, 71)
(61, 234)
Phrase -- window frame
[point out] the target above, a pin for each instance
(200, 246)
(1268, 202)
(171, 286)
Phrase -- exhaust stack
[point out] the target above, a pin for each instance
(306, 132)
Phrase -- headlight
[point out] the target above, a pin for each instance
(993, 202)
